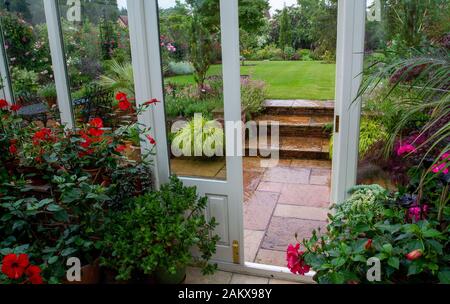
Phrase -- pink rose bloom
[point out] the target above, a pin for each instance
(403, 149)
(417, 213)
(445, 156)
(294, 257)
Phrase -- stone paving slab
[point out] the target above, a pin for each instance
(287, 175)
(301, 212)
(252, 242)
(270, 187)
(271, 257)
(320, 177)
(305, 195)
(258, 210)
(246, 279)
(282, 231)
(194, 276)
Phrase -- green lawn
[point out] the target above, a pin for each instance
(286, 79)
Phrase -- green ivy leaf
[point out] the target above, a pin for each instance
(444, 276)
(52, 260)
(68, 251)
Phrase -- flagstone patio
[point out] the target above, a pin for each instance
(291, 197)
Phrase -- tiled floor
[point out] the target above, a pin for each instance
(280, 201)
(194, 276)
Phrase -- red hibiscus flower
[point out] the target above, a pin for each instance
(12, 149)
(150, 102)
(121, 96)
(14, 266)
(3, 104)
(294, 257)
(121, 148)
(151, 140)
(34, 274)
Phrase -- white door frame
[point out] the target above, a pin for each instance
(144, 37)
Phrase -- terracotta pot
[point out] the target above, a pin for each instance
(90, 275)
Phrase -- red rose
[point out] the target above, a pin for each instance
(12, 149)
(121, 96)
(3, 104)
(414, 255)
(151, 140)
(368, 244)
(34, 274)
(294, 257)
(124, 105)
(87, 140)
(96, 132)
(15, 107)
(14, 266)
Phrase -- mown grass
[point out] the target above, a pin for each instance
(285, 79)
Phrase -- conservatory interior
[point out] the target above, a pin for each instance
(224, 141)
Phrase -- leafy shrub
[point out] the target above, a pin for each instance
(119, 77)
(269, 52)
(410, 243)
(289, 53)
(186, 107)
(253, 94)
(48, 91)
(181, 68)
(305, 55)
(200, 136)
(371, 133)
(158, 223)
(24, 82)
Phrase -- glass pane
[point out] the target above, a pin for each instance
(402, 39)
(25, 38)
(99, 67)
(191, 62)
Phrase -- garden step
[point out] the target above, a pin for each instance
(293, 147)
(301, 125)
(299, 107)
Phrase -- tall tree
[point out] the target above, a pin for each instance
(21, 7)
(285, 39)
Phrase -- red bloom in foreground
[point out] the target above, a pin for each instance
(12, 149)
(14, 266)
(96, 123)
(121, 148)
(294, 257)
(87, 140)
(368, 244)
(44, 134)
(34, 274)
(15, 108)
(151, 140)
(124, 105)
(3, 104)
(96, 126)
(414, 255)
(121, 96)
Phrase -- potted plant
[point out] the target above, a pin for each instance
(48, 92)
(167, 225)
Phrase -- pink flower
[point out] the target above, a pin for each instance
(440, 168)
(417, 213)
(403, 149)
(294, 257)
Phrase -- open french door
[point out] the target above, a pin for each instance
(225, 194)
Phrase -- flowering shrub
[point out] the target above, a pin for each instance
(409, 239)
(52, 206)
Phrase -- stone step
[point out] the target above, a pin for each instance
(313, 148)
(300, 125)
(299, 107)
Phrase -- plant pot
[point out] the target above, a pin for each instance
(90, 275)
(96, 174)
(164, 277)
(51, 102)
